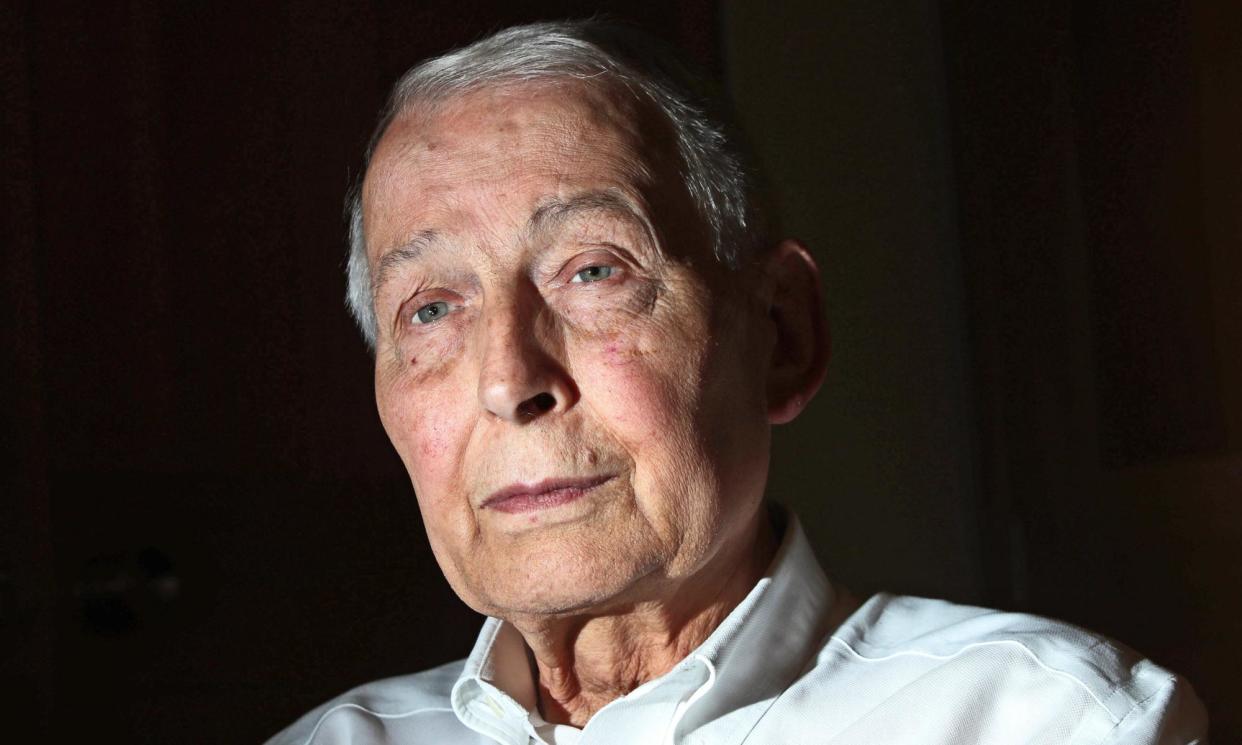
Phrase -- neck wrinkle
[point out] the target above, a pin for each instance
(585, 662)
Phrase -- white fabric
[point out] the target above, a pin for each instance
(555, 734)
(797, 662)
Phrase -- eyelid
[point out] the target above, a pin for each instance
(420, 299)
(604, 254)
(413, 319)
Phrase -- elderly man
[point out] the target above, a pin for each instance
(582, 338)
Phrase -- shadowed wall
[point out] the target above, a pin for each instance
(1028, 220)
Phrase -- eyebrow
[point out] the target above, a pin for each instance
(407, 252)
(555, 211)
(546, 216)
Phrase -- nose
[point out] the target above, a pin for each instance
(520, 377)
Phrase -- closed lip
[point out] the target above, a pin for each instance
(523, 496)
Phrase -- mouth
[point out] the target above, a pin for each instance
(541, 495)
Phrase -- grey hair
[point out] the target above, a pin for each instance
(713, 167)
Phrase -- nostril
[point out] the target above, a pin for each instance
(538, 404)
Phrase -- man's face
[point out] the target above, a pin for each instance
(573, 383)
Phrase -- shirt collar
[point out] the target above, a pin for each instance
(495, 693)
(751, 657)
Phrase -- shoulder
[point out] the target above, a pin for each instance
(888, 626)
(421, 701)
(1034, 658)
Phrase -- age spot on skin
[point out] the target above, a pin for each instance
(432, 445)
(616, 355)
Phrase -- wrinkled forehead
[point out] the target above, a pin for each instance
(606, 109)
(580, 132)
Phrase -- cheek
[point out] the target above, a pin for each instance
(426, 425)
(432, 442)
(616, 355)
(647, 392)
(428, 431)
(640, 387)
(422, 358)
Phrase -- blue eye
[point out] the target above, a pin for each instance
(593, 274)
(430, 312)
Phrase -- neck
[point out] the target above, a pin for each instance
(583, 662)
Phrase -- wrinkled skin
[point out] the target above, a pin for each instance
(549, 308)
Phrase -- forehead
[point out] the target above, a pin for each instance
(516, 144)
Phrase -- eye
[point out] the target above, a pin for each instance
(430, 312)
(592, 274)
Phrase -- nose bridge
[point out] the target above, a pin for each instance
(520, 375)
(509, 333)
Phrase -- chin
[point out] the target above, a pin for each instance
(556, 583)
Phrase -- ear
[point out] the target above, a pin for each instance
(795, 307)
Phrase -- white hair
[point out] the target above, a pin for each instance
(713, 167)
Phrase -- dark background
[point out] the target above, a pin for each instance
(1029, 216)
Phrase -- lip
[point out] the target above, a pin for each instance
(541, 495)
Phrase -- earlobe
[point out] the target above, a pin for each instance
(799, 358)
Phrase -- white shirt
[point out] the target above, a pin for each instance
(799, 662)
